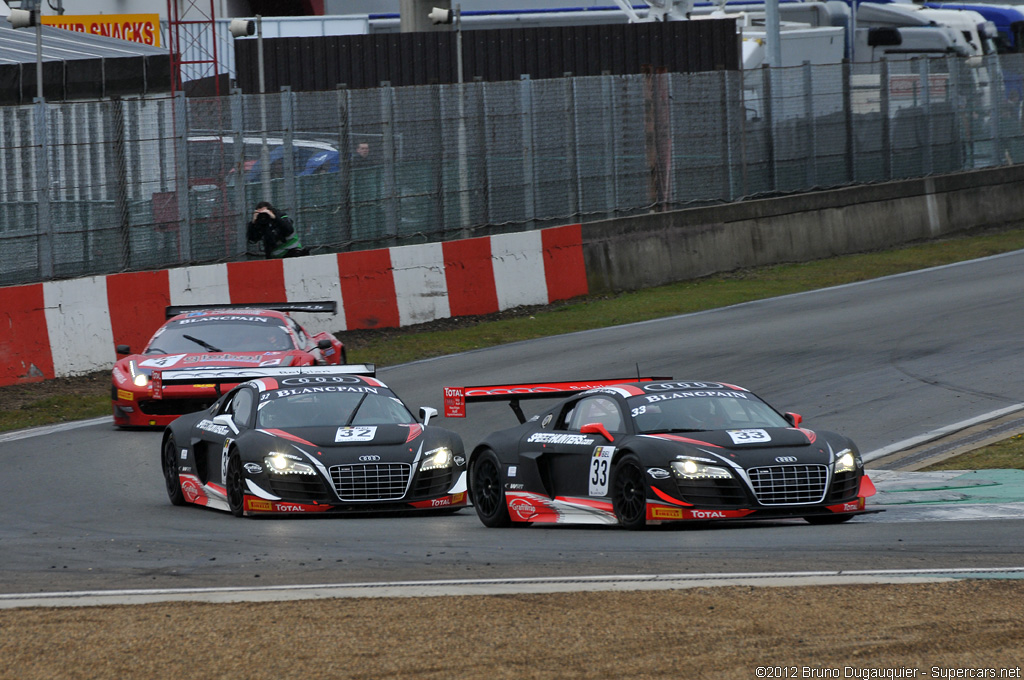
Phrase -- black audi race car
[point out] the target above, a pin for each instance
(655, 450)
(311, 439)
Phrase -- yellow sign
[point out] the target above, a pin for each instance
(140, 28)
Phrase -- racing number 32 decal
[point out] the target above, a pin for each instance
(355, 434)
(600, 468)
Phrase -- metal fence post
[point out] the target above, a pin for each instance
(725, 104)
(608, 135)
(528, 158)
(572, 164)
(44, 228)
(344, 104)
(769, 124)
(883, 109)
(119, 163)
(238, 164)
(288, 160)
(390, 198)
(927, 163)
(180, 116)
(851, 165)
(811, 165)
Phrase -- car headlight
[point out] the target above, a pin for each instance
(846, 461)
(691, 469)
(287, 464)
(436, 459)
(139, 378)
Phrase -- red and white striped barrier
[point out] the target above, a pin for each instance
(65, 328)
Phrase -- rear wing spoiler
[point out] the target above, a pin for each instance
(312, 307)
(456, 398)
(219, 377)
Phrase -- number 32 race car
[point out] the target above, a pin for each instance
(653, 450)
(315, 439)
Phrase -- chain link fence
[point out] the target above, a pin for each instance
(90, 188)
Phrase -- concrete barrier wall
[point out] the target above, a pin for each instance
(65, 328)
(651, 250)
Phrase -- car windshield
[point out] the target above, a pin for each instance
(221, 336)
(333, 408)
(689, 411)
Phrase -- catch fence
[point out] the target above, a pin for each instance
(90, 188)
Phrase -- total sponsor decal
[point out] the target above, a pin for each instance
(451, 501)
(260, 505)
(662, 513)
(124, 395)
(854, 506)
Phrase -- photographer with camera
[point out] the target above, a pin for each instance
(275, 231)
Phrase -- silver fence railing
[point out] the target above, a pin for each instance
(89, 188)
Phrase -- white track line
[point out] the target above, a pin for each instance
(623, 583)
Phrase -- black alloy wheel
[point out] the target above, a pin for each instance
(169, 463)
(234, 485)
(629, 493)
(487, 491)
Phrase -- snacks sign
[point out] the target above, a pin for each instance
(140, 28)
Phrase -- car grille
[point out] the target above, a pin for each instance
(789, 484)
(371, 481)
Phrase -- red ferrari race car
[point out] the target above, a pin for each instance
(653, 450)
(211, 337)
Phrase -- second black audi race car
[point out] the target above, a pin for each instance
(654, 450)
(312, 439)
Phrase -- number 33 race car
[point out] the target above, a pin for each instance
(312, 439)
(653, 450)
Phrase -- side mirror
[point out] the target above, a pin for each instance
(225, 419)
(123, 349)
(426, 413)
(794, 419)
(324, 344)
(597, 428)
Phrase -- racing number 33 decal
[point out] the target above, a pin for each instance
(600, 467)
(749, 436)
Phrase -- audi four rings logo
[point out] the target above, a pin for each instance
(368, 459)
(785, 459)
(669, 386)
(321, 380)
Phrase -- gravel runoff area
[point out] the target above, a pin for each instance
(959, 629)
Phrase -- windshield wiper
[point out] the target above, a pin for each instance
(202, 343)
(356, 410)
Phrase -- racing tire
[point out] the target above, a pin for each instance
(828, 519)
(169, 463)
(629, 493)
(234, 485)
(487, 491)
